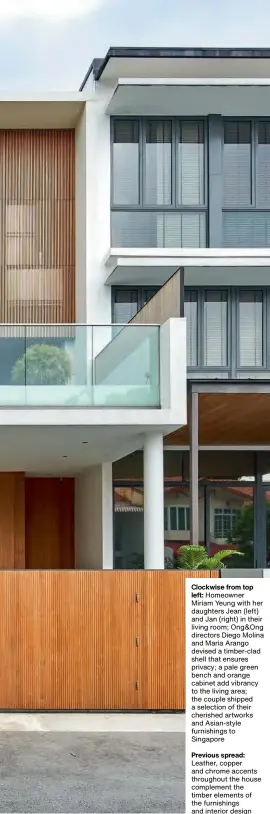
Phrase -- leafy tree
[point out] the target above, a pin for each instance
(42, 364)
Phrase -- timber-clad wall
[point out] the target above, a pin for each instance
(93, 639)
(37, 226)
(166, 303)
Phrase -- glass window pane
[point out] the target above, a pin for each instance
(125, 305)
(173, 518)
(190, 162)
(250, 329)
(170, 230)
(158, 163)
(263, 165)
(237, 163)
(187, 518)
(125, 162)
(181, 518)
(191, 310)
(243, 230)
(215, 328)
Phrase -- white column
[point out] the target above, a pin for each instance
(107, 516)
(94, 518)
(153, 503)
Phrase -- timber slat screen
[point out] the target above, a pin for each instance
(37, 226)
(93, 640)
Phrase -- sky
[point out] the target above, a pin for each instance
(49, 44)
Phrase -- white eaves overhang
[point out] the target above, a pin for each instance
(140, 266)
(41, 111)
(202, 266)
(190, 97)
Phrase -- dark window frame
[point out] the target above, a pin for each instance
(254, 121)
(220, 513)
(174, 206)
(233, 369)
(140, 290)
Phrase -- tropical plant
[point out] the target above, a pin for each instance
(195, 558)
(42, 365)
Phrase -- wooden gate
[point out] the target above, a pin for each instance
(92, 639)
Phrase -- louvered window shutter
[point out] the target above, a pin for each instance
(158, 163)
(215, 328)
(125, 305)
(263, 165)
(250, 329)
(237, 163)
(170, 230)
(191, 314)
(191, 163)
(125, 162)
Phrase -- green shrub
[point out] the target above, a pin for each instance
(42, 364)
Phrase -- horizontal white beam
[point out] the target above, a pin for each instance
(218, 448)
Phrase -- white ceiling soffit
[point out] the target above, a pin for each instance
(142, 269)
(156, 266)
(147, 97)
(50, 111)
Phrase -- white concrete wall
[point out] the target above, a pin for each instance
(173, 368)
(98, 181)
(94, 518)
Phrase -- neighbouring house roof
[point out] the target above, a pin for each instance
(244, 492)
(121, 508)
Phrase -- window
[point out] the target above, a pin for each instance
(190, 163)
(215, 329)
(158, 183)
(228, 330)
(250, 329)
(126, 302)
(176, 518)
(158, 163)
(263, 165)
(125, 305)
(224, 521)
(191, 314)
(246, 184)
(237, 163)
(125, 162)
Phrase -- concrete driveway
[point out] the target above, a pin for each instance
(91, 772)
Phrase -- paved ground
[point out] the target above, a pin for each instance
(94, 772)
(92, 722)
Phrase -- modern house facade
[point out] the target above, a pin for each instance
(189, 171)
(134, 364)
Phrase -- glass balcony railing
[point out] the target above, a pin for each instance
(79, 366)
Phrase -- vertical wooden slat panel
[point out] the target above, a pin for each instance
(68, 639)
(37, 226)
(19, 520)
(164, 637)
(12, 525)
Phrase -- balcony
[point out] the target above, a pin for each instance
(73, 366)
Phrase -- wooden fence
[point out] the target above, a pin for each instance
(93, 640)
